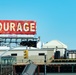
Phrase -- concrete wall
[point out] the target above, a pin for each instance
(32, 55)
(50, 54)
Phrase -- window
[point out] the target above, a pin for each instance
(14, 54)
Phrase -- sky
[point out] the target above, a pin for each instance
(55, 19)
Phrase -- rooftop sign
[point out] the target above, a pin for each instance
(17, 27)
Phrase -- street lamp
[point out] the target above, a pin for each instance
(43, 54)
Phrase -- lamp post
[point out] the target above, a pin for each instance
(43, 54)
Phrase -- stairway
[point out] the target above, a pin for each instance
(29, 69)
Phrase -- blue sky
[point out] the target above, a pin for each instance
(56, 19)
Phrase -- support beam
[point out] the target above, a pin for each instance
(38, 69)
(58, 69)
(72, 68)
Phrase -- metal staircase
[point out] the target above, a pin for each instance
(29, 69)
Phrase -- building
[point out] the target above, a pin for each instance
(71, 54)
(18, 47)
(57, 45)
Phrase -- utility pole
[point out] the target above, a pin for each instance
(45, 63)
